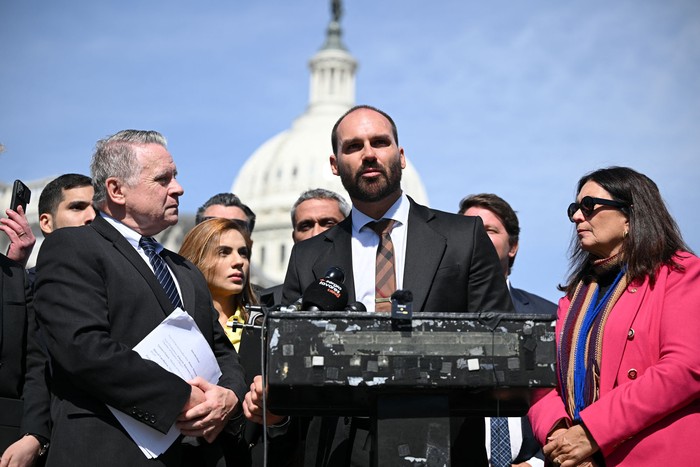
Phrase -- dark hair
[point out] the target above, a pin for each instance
(501, 209)
(320, 193)
(226, 199)
(653, 238)
(52, 194)
(334, 132)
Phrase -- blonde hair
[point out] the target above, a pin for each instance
(200, 247)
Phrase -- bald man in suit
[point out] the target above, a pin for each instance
(445, 260)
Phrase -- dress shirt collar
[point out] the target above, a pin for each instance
(132, 236)
(398, 212)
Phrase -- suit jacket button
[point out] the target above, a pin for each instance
(632, 373)
(630, 334)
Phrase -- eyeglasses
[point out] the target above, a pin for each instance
(588, 204)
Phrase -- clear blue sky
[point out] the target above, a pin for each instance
(519, 98)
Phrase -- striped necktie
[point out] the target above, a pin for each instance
(385, 277)
(160, 269)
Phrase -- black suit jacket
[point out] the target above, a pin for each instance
(450, 266)
(96, 298)
(21, 360)
(528, 303)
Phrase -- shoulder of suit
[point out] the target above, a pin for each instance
(536, 300)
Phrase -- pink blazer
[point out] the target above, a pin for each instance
(648, 413)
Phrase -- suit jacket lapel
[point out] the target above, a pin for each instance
(520, 300)
(338, 252)
(421, 262)
(123, 246)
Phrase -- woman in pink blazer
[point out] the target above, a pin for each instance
(628, 334)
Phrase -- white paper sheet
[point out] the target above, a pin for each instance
(178, 346)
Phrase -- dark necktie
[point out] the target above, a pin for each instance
(500, 442)
(160, 269)
(385, 276)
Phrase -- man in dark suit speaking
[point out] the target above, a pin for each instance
(446, 261)
(97, 297)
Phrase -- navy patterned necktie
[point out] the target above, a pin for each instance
(385, 276)
(160, 269)
(500, 442)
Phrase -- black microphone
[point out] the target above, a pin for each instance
(326, 294)
(402, 304)
(356, 306)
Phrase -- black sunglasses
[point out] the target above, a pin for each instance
(588, 204)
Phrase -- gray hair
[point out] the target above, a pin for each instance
(114, 156)
(321, 193)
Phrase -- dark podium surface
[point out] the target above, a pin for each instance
(355, 363)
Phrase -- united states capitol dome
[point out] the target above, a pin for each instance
(297, 159)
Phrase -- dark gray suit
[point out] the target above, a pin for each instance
(450, 266)
(96, 298)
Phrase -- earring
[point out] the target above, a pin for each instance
(625, 233)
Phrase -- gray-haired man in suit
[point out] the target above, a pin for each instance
(97, 297)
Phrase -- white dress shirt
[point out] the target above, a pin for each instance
(133, 237)
(364, 249)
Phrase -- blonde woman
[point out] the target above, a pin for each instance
(221, 248)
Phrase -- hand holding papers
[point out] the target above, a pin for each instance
(178, 346)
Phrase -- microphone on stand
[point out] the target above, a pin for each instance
(356, 306)
(326, 294)
(402, 304)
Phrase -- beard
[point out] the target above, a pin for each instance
(386, 183)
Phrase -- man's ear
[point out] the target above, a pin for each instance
(115, 190)
(513, 251)
(334, 164)
(46, 223)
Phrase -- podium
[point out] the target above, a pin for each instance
(408, 375)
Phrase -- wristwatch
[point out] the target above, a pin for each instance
(43, 443)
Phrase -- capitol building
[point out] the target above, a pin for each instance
(283, 167)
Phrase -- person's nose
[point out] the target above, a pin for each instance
(236, 261)
(89, 215)
(317, 229)
(578, 217)
(176, 189)
(368, 152)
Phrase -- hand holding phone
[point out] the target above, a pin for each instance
(16, 226)
(21, 195)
